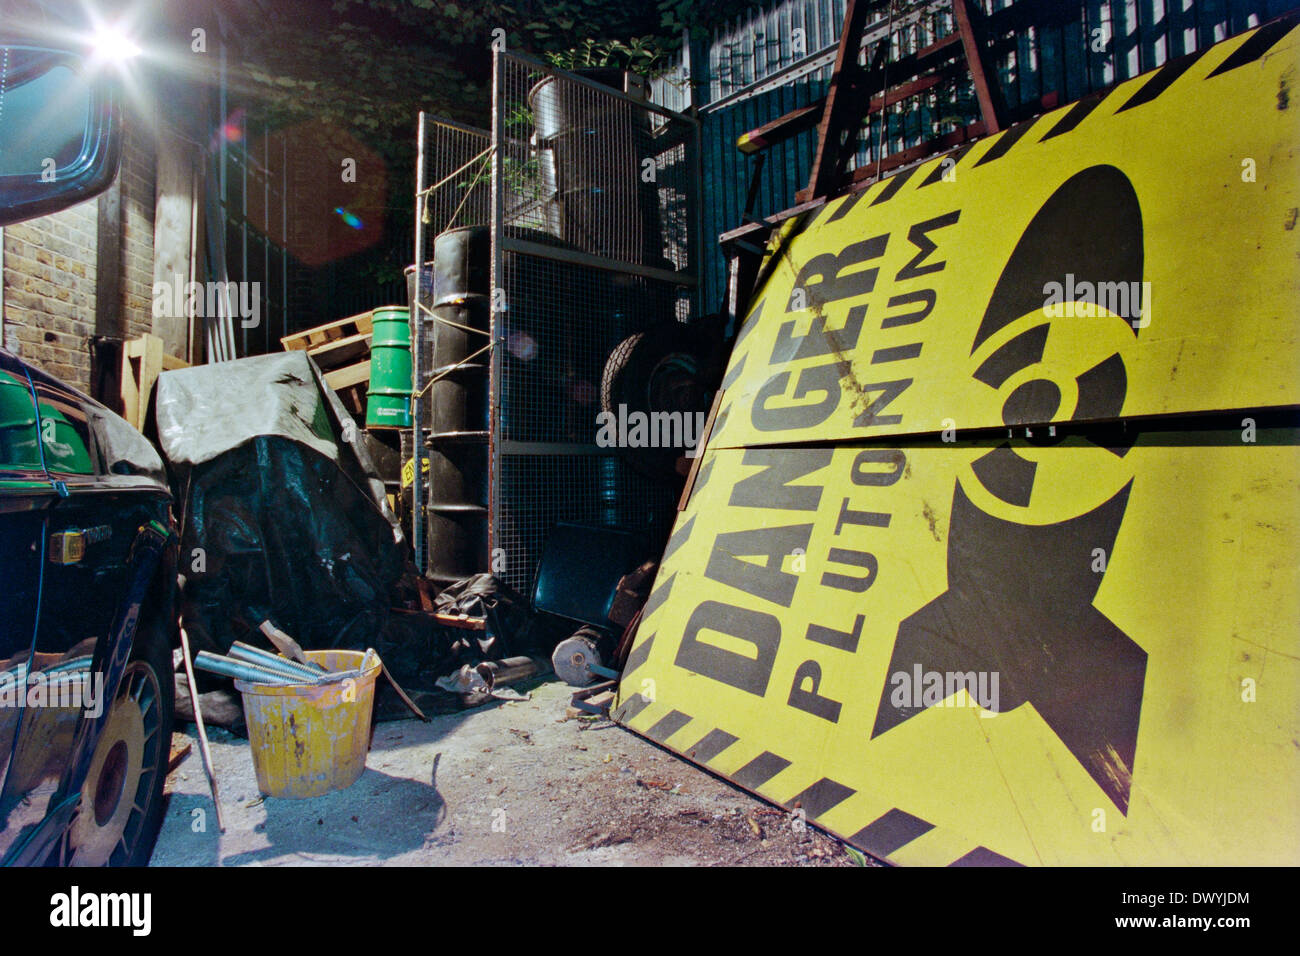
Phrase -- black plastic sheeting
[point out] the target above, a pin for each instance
(282, 516)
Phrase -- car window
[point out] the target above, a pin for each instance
(65, 435)
(18, 434)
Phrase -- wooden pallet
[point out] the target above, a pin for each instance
(340, 352)
(350, 327)
(349, 376)
(350, 384)
(143, 360)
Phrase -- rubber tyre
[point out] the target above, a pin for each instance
(122, 802)
(660, 370)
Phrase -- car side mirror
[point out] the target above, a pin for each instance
(60, 137)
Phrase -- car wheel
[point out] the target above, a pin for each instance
(121, 807)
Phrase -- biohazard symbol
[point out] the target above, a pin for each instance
(1019, 598)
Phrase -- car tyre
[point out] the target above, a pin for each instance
(121, 808)
(660, 370)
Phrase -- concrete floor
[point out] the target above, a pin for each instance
(504, 784)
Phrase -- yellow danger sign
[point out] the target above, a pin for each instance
(922, 595)
(408, 471)
(1133, 254)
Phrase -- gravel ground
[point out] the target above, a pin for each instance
(504, 784)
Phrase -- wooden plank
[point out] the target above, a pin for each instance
(353, 398)
(340, 352)
(143, 360)
(172, 233)
(351, 375)
(781, 128)
(110, 318)
(130, 379)
(330, 331)
(760, 229)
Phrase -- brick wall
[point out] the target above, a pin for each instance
(49, 291)
(50, 265)
(138, 180)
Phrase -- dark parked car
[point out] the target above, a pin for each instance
(88, 564)
(87, 547)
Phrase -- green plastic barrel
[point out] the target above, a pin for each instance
(388, 400)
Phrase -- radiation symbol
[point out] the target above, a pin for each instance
(1068, 364)
(1026, 520)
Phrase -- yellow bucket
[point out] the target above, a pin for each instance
(311, 739)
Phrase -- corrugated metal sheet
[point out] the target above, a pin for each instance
(767, 63)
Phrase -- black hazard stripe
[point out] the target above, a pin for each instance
(638, 655)
(1002, 145)
(702, 477)
(936, 174)
(759, 770)
(983, 856)
(1163, 79)
(710, 745)
(1077, 113)
(890, 832)
(733, 375)
(667, 725)
(657, 597)
(893, 185)
(822, 796)
(631, 706)
(678, 538)
(844, 208)
(1263, 40)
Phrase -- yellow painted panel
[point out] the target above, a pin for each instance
(1131, 635)
(1139, 257)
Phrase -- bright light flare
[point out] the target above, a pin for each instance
(112, 44)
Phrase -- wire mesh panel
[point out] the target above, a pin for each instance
(459, 176)
(537, 491)
(593, 242)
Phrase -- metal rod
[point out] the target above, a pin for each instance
(255, 655)
(497, 221)
(560, 254)
(240, 670)
(417, 400)
(203, 733)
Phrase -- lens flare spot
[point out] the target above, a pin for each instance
(522, 346)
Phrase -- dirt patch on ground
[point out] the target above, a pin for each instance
(506, 784)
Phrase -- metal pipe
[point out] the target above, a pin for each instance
(204, 752)
(255, 655)
(512, 669)
(496, 221)
(416, 319)
(241, 670)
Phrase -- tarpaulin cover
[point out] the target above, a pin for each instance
(281, 515)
